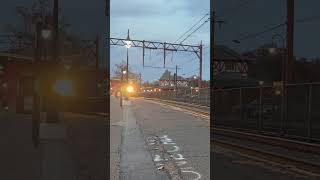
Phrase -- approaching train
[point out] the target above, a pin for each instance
(127, 90)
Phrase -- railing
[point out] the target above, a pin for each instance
(194, 96)
(293, 110)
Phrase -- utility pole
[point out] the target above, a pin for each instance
(127, 65)
(52, 110)
(200, 68)
(290, 40)
(97, 65)
(212, 43)
(36, 106)
(55, 30)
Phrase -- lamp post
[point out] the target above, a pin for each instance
(123, 72)
(128, 45)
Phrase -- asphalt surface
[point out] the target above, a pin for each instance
(158, 142)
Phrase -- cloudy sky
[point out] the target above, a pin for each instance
(164, 21)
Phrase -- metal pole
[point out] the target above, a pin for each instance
(127, 65)
(283, 99)
(97, 64)
(143, 53)
(164, 55)
(52, 111)
(55, 29)
(36, 106)
(290, 39)
(200, 72)
(212, 42)
(121, 84)
(212, 55)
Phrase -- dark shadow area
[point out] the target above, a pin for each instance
(54, 89)
(264, 87)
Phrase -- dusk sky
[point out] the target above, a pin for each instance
(164, 21)
(244, 17)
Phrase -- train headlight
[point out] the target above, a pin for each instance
(130, 89)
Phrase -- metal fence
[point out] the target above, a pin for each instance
(194, 96)
(293, 110)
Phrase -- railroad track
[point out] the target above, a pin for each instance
(199, 109)
(297, 164)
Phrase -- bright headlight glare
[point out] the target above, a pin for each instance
(130, 89)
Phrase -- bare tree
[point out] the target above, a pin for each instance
(118, 68)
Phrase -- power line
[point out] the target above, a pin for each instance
(207, 14)
(303, 20)
(195, 30)
(190, 60)
(155, 67)
(191, 27)
(261, 32)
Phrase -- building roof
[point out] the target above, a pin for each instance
(167, 76)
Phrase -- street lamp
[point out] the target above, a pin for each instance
(128, 43)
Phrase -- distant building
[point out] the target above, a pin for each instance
(167, 81)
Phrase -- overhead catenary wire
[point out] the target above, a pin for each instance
(192, 59)
(195, 30)
(254, 35)
(191, 27)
